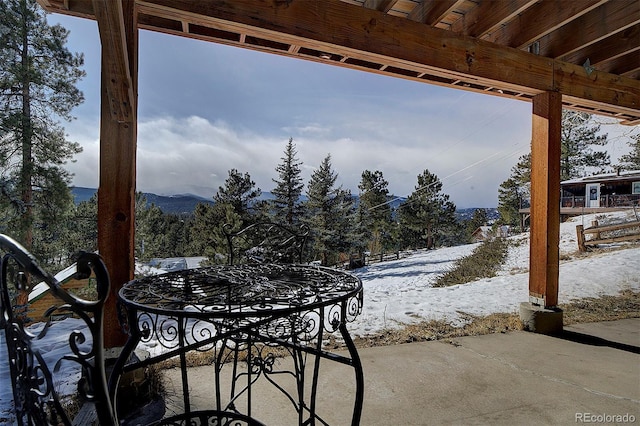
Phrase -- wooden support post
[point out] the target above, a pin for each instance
(545, 199)
(117, 23)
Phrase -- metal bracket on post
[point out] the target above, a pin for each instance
(588, 67)
(537, 301)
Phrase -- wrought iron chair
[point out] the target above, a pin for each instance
(266, 242)
(36, 370)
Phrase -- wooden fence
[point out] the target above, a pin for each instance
(629, 231)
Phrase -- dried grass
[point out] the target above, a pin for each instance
(604, 308)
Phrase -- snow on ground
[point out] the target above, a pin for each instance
(400, 291)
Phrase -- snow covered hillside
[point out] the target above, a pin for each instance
(401, 291)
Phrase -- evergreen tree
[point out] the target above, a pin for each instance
(237, 204)
(83, 227)
(287, 205)
(514, 193)
(329, 214)
(37, 88)
(631, 161)
(150, 230)
(374, 212)
(240, 192)
(579, 136)
(158, 234)
(427, 217)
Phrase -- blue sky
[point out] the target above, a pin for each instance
(206, 108)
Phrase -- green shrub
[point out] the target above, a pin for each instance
(483, 262)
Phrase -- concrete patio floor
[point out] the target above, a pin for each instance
(589, 374)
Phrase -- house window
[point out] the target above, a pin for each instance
(635, 188)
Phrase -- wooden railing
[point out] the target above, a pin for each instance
(629, 231)
(609, 200)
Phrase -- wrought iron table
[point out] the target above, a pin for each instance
(241, 313)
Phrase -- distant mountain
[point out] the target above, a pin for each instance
(467, 214)
(186, 203)
(176, 204)
(82, 194)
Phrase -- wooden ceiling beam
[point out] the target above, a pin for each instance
(608, 49)
(350, 35)
(539, 20)
(632, 73)
(621, 64)
(383, 6)
(591, 28)
(111, 26)
(432, 12)
(489, 16)
(337, 27)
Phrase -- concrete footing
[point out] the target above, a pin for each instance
(541, 320)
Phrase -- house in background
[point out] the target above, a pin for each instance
(601, 193)
(176, 263)
(488, 233)
(41, 300)
(604, 192)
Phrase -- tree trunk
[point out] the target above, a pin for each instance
(26, 175)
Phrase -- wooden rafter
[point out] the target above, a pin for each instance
(620, 44)
(380, 5)
(539, 20)
(489, 16)
(478, 46)
(432, 12)
(591, 28)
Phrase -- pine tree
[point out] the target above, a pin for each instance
(37, 87)
(514, 193)
(631, 161)
(150, 230)
(287, 205)
(329, 214)
(206, 235)
(427, 217)
(240, 192)
(83, 227)
(374, 212)
(579, 136)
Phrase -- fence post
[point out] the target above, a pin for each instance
(594, 224)
(581, 244)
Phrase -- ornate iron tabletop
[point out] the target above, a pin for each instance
(241, 291)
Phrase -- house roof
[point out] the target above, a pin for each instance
(42, 288)
(606, 177)
(585, 49)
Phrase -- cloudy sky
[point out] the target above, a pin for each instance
(206, 108)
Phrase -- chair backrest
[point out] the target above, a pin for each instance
(266, 242)
(57, 361)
